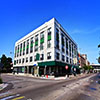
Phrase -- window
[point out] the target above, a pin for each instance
(26, 59)
(72, 48)
(70, 61)
(69, 46)
(63, 58)
(42, 35)
(48, 44)
(20, 49)
(14, 62)
(31, 45)
(41, 46)
(66, 51)
(42, 57)
(62, 39)
(37, 57)
(49, 55)
(31, 59)
(57, 38)
(57, 45)
(15, 51)
(23, 60)
(66, 43)
(67, 59)
(57, 55)
(27, 47)
(24, 48)
(63, 49)
(36, 40)
(57, 35)
(49, 31)
(36, 48)
(19, 61)
(49, 34)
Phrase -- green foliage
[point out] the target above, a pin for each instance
(87, 67)
(99, 60)
(7, 63)
(1, 80)
(99, 46)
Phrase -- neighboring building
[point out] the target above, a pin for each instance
(47, 49)
(83, 60)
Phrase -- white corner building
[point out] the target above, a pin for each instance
(45, 50)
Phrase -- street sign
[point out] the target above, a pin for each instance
(66, 67)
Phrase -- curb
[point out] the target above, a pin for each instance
(2, 86)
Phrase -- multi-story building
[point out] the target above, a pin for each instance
(83, 60)
(47, 49)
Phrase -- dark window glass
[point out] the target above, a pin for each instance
(26, 59)
(42, 57)
(31, 59)
(19, 61)
(41, 46)
(20, 49)
(48, 44)
(27, 47)
(31, 45)
(49, 55)
(67, 59)
(23, 60)
(57, 56)
(24, 48)
(36, 48)
(63, 58)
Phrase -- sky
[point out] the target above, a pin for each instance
(80, 18)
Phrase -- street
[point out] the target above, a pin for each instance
(28, 88)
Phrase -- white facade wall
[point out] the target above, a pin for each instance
(53, 24)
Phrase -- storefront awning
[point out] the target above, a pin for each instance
(52, 63)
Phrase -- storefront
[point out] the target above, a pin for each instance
(54, 68)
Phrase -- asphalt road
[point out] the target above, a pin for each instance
(27, 88)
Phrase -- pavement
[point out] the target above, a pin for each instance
(4, 85)
(29, 88)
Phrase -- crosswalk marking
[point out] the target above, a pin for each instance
(18, 98)
(6, 95)
(9, 97)
(1, 94)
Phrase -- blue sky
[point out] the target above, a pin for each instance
(80, 18)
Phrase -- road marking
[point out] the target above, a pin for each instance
(9, 97)
(4, 93)
(19, 98)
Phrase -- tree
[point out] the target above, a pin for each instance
(99, 55)
(99, 46)
(7, 63)
(99, 60)
(87, 68)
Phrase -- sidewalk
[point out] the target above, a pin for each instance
(2, 86)
(51, 77)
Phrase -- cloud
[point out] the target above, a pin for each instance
(80, 31)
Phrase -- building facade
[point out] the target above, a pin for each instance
(46, 50)
(83, 60)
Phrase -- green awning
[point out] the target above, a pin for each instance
(73, 66)
(52, 63)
